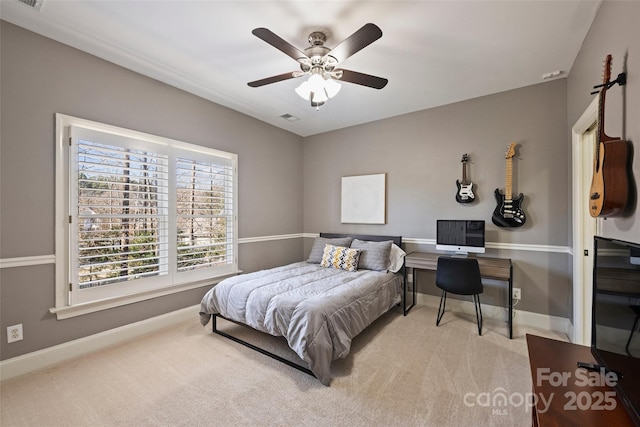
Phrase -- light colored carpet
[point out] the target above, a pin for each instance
(401, 371)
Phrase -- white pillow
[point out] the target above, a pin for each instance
(396, 258)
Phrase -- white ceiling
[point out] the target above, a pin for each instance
(433, 52)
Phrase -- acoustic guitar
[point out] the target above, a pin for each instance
(508, 212)
(609, 193)
(465, 188)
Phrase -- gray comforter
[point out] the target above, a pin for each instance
(318, 310)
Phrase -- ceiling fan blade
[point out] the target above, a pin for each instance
(356, 41)
(273, 79)
(363, 79)
(277, 42)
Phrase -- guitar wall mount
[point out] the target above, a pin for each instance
(621, 80)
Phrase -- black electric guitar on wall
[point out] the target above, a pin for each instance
(509, 212)
(465, 188)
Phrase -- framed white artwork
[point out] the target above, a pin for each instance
(364, 199)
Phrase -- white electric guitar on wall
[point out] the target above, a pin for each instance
(465, 188)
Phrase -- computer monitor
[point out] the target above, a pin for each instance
(460, 236)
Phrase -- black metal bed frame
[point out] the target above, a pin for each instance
(374, 238)
(254, 347)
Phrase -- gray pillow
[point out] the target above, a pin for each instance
(315, 256)
(374, 256)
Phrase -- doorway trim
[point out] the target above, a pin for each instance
(584, 227)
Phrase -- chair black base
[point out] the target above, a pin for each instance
(476, 301)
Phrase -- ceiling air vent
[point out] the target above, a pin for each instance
(289, 117)
(36, 4)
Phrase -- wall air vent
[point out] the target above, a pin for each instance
(35, 4)
(289, 117)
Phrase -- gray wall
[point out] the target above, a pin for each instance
(615, 31)
(421, 153)
(41, 77)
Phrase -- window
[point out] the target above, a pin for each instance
(146, 215)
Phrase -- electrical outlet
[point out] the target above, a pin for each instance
(14, 333)
(517, 293)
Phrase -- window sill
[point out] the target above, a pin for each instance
(69, 311)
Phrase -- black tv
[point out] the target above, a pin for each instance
(615, 336)
(460, 236)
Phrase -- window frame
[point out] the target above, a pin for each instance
(178, 281)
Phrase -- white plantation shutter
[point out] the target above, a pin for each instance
(146, 214)
(121, 229)
(204, 213)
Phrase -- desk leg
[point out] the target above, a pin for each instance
(406, 309)
(510, 302)
(404, 292)
(415, 289)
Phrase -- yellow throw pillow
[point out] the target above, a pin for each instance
(340, 258)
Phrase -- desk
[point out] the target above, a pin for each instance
(560, 357)
(490, 268)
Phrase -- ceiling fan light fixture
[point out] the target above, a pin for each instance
(304, 91)
(332, 87)
(319, 97)
(318, 90)
(316, 83)
(321, 63)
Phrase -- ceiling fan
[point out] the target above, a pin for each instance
(321, 63)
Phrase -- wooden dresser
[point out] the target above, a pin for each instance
(567, 402)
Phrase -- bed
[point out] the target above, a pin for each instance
(318, 305)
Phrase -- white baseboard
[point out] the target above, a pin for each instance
(47, 357)
(520, 318)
